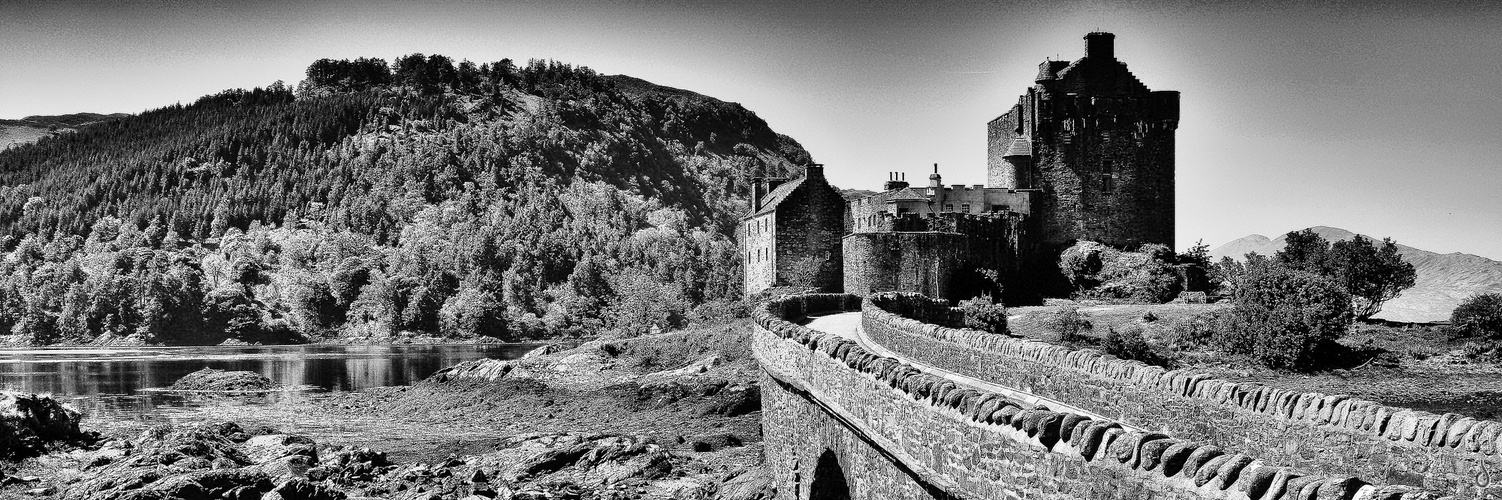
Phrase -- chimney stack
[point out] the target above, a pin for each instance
(894, 182)
(1100, 46)
(758, 191)
(814, 171)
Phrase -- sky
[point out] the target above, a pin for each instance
(1382, 118)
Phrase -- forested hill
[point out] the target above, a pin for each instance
(377, 201)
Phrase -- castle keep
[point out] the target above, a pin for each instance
(1087, 153)
(1097, 145)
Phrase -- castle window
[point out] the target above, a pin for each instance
(965, 208)
(948, 207)
(1107, 177)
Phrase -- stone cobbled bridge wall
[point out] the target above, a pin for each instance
(842, 421)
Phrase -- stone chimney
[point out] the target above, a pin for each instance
(1100, 46)
(895, 180)
(814, 171)
(935, 182)
(758, 191)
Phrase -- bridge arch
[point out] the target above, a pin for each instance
(830, 481)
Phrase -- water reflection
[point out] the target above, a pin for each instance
(107, 382)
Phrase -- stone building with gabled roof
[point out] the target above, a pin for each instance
(792, 236)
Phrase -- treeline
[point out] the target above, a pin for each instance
(373, 200)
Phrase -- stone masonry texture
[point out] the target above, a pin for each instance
(1330, 434)
(891, 431)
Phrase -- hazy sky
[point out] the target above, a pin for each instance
(1382, 118)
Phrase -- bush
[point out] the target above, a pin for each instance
(1286, 318)
(984, 316)
(1100, 272)
(1128, 343)
(1066, 322)
(1193, 332)
(1478, 316)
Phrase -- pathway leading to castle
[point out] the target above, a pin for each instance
(848, 325)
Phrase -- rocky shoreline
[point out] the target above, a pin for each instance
(665, 416)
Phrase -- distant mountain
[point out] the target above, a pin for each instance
(1443, 279)
(855, 194)
(31, 128)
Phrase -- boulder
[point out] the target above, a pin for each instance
(30, 424)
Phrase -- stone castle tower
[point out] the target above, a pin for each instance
(1098, 147)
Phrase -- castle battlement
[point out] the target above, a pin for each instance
(968, 224)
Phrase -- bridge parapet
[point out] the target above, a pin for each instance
(895, 431)
(1333, 434)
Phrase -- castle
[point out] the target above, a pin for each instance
(1087, 153)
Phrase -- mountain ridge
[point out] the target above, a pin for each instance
(33, 128)
(1443, 280)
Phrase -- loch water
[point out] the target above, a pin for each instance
(119, 383)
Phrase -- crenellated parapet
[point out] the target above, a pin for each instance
(891, 429)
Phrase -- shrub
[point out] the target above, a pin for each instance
(1485, 351)
(1128, 343)
(1285, 318)
(1478, 316)
(1066, 322)
(1194, 331)
(982, 315)
(1100, 272)
(1372, 274)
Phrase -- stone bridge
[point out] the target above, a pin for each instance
(861, 402)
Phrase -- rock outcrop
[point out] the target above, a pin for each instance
(210, 379)
(31, 425)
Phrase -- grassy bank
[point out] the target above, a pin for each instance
(1414, 366)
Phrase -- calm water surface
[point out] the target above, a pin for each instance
(115, 383)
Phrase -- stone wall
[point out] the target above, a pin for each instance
(1332, 434)
(1108, 172)
(759, 252)
(1000, 132)
(929, 263)
(809, 223)
(892, 431)
(993, 245)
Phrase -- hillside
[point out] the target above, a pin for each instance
(377, 201)
(32, 128)
(1443, 279)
